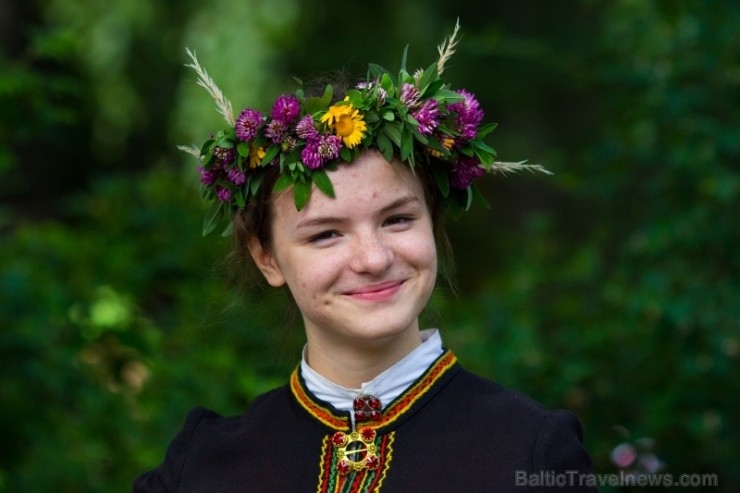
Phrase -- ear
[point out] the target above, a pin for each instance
(266, 262)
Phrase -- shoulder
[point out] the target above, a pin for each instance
(492, 399)
(206, 437)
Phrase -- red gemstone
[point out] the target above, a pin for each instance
(339, 439)
(360, 416)
(374, 403)
(368, 434)
(372, 462)
(344, 467)
(359, 403)
(375, 415)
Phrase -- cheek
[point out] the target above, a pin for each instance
(310, 277)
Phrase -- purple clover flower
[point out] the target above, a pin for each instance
(410, 94)
(319, 151)
(276, 131)
(248, 124)
(207, 177)
(237, 177)
(469, 115)
(288, 144)
(286, 109)
(223, 194)
(427, 116)
(306, 128)
(224, 155)
(464, 171)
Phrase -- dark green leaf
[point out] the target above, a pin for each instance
(212, 217)
(407, 143)
(282, 183)
(321, 179)
(393, 131)
(272, 151)
(301, 193)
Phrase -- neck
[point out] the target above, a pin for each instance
(350, 365)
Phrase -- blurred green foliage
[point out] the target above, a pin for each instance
(611, 289)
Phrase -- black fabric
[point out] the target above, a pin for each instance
(470, 435)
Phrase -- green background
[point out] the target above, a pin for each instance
(611, 289)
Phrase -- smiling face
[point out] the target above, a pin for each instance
(361, 266)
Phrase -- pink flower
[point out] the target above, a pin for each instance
(248, 124)
(286, 109)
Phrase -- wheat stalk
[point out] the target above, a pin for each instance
(193, 149)
(447, 49)
(204, 80)
(504, 167)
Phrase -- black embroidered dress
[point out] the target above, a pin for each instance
(450, 431)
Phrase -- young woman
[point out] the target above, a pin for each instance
(341, 202)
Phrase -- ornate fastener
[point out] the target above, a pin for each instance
(367, 408)
(356, 451)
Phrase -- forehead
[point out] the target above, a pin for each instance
(362, 187)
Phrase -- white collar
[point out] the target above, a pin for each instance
(386, 386)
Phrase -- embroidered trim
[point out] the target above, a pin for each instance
(389, 415)
(365, 480)
(362, 481)
(417, 391)
(319, 412)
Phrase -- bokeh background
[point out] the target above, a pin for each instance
(611, 289)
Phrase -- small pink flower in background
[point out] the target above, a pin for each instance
(623, 455)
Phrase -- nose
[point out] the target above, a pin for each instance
(372, 254)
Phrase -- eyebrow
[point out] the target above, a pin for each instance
(325, 220)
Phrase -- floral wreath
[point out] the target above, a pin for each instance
(416, 117)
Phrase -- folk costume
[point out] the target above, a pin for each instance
(447, 431)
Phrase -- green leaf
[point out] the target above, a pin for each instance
(272, 151)
(226, 143)
(393, 131)
(376, 70)
(469, 200)
(345, 154)
(430, 75)
(386, 82)
(448, 96)
(321, 179)
(213, 217)
(486, 129)
(385, 146)
(403, 58)
(432, 89)
(407, 143)
(282, 183)
(478, 197)
(255, 182)
(388, 115)
(242, 148)
(314, 105)
(228, 230)
(301, 193)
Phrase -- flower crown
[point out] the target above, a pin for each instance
(415, 117)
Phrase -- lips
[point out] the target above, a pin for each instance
(375, 292)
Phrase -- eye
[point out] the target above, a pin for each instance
(398, 220)
(324, 235)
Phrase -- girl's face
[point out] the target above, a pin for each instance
(360, 266)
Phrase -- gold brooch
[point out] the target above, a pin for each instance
(356, 451)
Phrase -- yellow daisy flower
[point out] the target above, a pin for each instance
(347, 123)
(255, 155)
